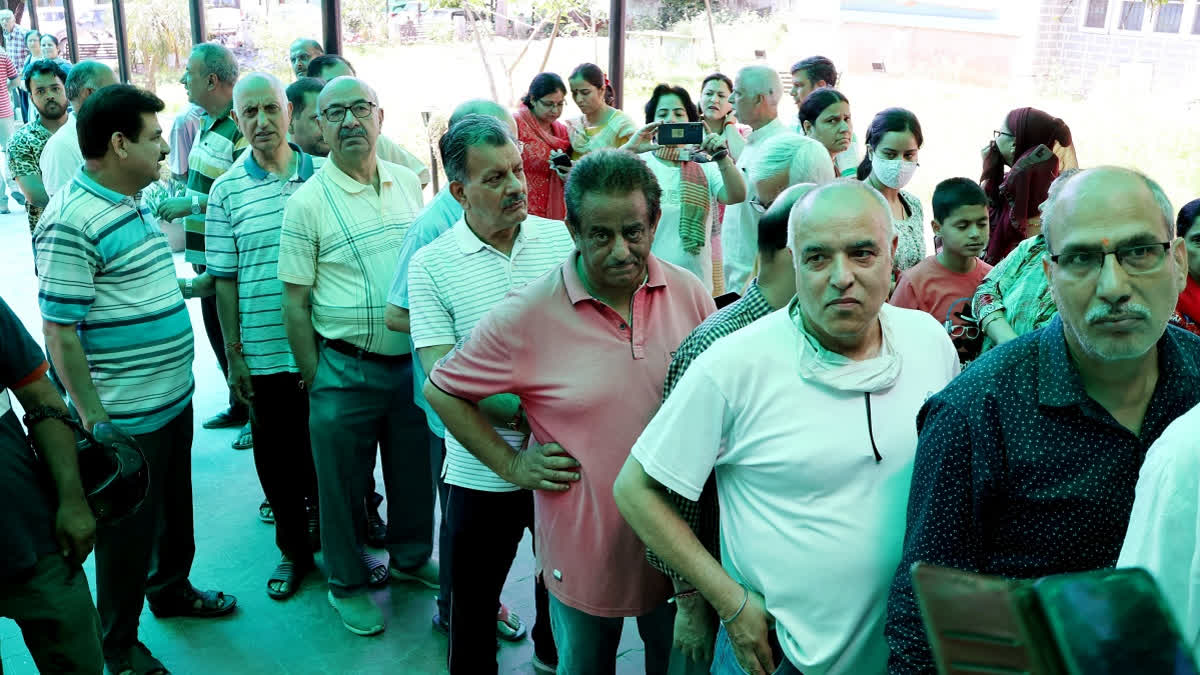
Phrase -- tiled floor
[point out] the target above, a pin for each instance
(236, 552)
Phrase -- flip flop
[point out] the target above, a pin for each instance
(290, 573)
(377, 569)
(195, 604)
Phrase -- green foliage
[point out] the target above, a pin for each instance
(159, 37)
(671, 12)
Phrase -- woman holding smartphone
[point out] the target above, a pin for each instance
(601, 126)
(546, 144)
(717, 113)
(691, 190)
(1037, 147)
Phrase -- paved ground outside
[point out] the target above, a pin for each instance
(235, 553)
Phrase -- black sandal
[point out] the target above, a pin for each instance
(195, 604)
(290, 573)
(377, 570)
(137, 660)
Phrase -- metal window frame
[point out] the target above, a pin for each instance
(331, 33)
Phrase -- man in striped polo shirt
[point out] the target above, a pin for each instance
(209, 77)
(119, 335)
(494, 248)
(338, 248)
(245, 213)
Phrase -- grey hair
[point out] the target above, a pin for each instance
(83, 76)
(761, 80)
(6, 14)
(805, 203)
(239, 89)
(610, 171)
(471, 130)
(804, 159)
(481, 106)
(218, 60)
(1051, 208)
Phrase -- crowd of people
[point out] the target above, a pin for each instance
(704, 376)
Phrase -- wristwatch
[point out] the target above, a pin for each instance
(195, 205)
(187, 289)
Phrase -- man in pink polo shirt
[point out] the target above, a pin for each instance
(586, 348)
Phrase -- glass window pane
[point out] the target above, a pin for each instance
(53, 20)
(1196, 24)
(259, 33)
(1132, 14)
(94, 33)
(1097, 12)
(160, 39)
(1170, 16)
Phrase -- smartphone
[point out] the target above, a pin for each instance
(563, 160)
(686, 133)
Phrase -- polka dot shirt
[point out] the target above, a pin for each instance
(1020, 474)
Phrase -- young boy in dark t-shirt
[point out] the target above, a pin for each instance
(943, 284)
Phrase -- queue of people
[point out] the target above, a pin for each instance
(540, 348)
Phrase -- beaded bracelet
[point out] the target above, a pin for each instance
(745, 599)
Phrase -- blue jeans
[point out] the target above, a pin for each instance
(587, 644)
(725, 663)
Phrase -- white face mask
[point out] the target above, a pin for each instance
(894, 173)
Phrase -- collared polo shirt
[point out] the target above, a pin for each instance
(589, 381)
(245, 214)
(61, 158)
(809, 518)
(439, 216)
(457, 279)
(213, 152)
(183, 136)
(343, 238)
(1020, 474)
(104, 265)
(739, 230)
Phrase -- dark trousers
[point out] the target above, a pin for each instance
(437, 457)
(149, 553)
(357, 405)
(283, 458)
(58, 621)
(216, 340)
(485, 529)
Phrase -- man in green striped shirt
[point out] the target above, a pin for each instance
(211, 73)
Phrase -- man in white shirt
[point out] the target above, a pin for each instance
(494, 248)
(61, 157)
(812, 504)
(755, 100)
(1164, 528)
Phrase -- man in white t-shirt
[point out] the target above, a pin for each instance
(808, 418)
(755, 100)
(61, 158)
(494, 248)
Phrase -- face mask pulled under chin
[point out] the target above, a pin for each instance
(894, 173)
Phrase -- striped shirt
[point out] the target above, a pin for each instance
(453, 282)
(14, 43)
(213, 152)
(104, 265)
(343, 238)
(245, 212)
(8, 72)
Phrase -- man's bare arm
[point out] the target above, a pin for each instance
(66, 352)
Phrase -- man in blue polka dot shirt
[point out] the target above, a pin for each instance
(1027, 462)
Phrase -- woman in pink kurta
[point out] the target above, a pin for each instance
(544, 137)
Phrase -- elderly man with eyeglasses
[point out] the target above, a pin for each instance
(338, 249)
(1027, 462)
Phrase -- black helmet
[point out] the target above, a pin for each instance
(113, 470)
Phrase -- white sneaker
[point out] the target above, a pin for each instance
(359, 614)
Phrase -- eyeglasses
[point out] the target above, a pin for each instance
(552, 106)
(1135, 259)
(996, 134)
(970, 332)
(336, 113)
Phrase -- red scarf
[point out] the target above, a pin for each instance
(1189, 301)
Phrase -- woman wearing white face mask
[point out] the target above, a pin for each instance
(893, 141)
